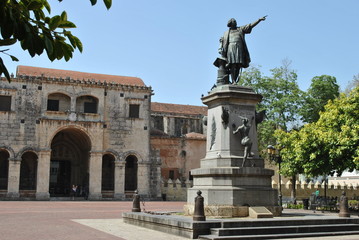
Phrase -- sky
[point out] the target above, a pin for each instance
(171, 45)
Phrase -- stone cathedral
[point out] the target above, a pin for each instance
(61, 128)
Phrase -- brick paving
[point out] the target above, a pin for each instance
(33, 220)
(86, 220)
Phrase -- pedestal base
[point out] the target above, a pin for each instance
(229, 191)
(226, 211)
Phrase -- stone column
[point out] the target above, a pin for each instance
(143, 179)
(73, 104)
(13, 179)
(119, 180)
(43, 176)
(95, 172)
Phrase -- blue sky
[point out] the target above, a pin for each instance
(172, 44)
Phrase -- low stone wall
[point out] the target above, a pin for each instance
(177, 190)
(304, 190)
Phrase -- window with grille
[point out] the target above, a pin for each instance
(90, 107)
(134, 111)
(52, 105)
(5, 103)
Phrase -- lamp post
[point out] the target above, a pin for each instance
(274, 155)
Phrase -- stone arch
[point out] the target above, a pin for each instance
(108, 172)
(28, 170)
(69, 162)
(116, 155)
(76, 127)
(4, 168)
(124, 155)
(9, 150)
(58, 101)
(26, 149)
(131, 173)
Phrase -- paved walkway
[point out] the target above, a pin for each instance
(83, 220)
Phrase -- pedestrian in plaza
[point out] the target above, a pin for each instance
(73, 191)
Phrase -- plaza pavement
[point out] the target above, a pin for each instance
(86, 220)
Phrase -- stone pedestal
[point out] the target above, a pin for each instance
(229, 182)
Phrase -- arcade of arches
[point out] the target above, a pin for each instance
(71, 161)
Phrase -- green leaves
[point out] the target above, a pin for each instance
(35, 4)
(322, 89)
(54, 22)
(3, 70)
(93, 2)
(281, 99)
(108, 3)
(329, 144)
(26, 22)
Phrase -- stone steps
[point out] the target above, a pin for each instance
(283, 229)
(288, 221)
(278, 236)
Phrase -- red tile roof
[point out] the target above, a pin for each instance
(178, 109)
(57, 73)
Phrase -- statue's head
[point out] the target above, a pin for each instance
(232, 23)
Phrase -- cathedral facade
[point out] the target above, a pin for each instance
(64, 128)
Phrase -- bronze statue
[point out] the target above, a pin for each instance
(233, 47)
(245, 140)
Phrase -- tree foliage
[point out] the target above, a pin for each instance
(281, 99)
(29, 23)
(328, 145)
(322, 89)
(352, 84)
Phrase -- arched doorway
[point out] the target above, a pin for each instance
(4, 169)
(69, 162)
(108, 176)
(131, 173)
(28, 171)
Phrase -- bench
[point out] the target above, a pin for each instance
(317, 203)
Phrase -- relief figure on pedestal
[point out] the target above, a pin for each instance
(245, 139)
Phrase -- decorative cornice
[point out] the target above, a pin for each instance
(87, 82)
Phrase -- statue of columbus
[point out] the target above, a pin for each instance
(233, 48)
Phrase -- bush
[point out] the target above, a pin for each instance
(294, 206)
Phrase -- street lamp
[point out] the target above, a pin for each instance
(274, 155)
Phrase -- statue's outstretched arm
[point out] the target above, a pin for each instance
(258, 21)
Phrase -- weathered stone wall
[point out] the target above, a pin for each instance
(180, 155)
(175, 190)
(111, 122)
(30, 126)
(176, 120)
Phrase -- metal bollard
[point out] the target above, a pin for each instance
(198, 214)
(344, 206)
(136, 202)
